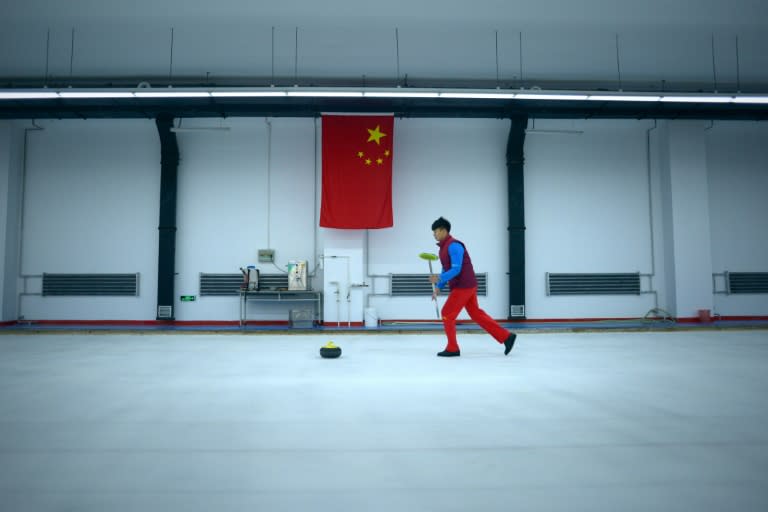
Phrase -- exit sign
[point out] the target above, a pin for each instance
(187, 298)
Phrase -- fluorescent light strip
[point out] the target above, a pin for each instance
(697, 99)
(27, 95)
(478, 95)
(397, 94)
(544, 96)
(325, 94)
(247, 94)
(751, 99)
(173, 94)
(106, 94)
(623, 98)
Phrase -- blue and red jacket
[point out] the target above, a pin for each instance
(457, 265)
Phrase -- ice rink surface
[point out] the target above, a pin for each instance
(614, 421)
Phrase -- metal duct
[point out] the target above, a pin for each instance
(166, 265)
(516, 215)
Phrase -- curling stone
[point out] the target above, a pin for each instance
(330, 351)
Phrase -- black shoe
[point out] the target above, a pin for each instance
(509, 343)
(446, 353)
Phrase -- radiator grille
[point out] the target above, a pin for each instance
(593, 284)
(91, 284)
(220, 284)
(273, 281)
(418, 284)
(747, 282)
(229, 284)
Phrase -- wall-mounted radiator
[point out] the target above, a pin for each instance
(593, 284)
(91, 284)
(741, 282)
(229, 284)
(401, 285)
(404, 285)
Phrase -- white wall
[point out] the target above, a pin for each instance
(687, 246)
(92, 206)
(737, 166)
(453, 168)
(235, 196)
(586, 210)
(343, 267)
(93, 192)
(11, 155)
(5, 235)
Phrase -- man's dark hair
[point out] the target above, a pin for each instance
(441, 223)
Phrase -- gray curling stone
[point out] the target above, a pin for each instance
(330, 351)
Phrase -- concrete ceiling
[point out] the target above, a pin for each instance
(679, 44)
(616, 14)
(649, 45)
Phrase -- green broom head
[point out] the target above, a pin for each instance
(428, 256)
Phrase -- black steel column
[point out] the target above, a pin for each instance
(166, 265)
(516, 195)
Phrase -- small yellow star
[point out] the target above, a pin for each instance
(360, 154)
(386, 152)
(367, 161)
(376, 134)
(379, 161)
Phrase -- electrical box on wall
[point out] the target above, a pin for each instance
(266, 255)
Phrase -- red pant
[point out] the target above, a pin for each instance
(461, 298)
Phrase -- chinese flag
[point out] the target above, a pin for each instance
(357, 172)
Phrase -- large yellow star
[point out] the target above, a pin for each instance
(376, 134)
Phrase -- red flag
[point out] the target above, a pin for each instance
(357, 172)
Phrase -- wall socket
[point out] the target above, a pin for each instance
(266, 255)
